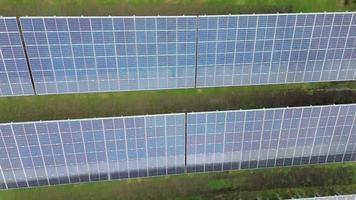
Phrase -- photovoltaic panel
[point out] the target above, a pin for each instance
(87, 54)
(270, 137)
(70, 151)
(15, 77)
(275, 48)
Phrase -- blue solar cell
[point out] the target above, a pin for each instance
(270, 137)
(14, 74)
(280, 48)
(70, 151)
(110, 53)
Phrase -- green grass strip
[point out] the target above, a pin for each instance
(167, 7)
(89, 105)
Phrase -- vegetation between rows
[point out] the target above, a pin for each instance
(167, 7)
(32, 108)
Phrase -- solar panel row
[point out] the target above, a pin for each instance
(70, 151)
(270, 137)
(91, 54)
(14, 73)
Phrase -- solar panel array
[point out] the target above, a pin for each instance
(86, 54)
(275, 48)
(70, 151)
(270, 137)
(14, 73)
(92, 54)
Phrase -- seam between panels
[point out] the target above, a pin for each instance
(22, 38)
(185, 142)
(196, 51)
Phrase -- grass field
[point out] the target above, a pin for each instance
(285, 182)
(167, 7)
(33, 108)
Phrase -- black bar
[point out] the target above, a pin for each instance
(196, 53)
(26, 55)
(185, 141)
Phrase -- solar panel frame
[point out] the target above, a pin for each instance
(3, 184)
(223, 59)
(86, 150)
(257, 138)
(158, 53)
(336, 197)
(15, 78)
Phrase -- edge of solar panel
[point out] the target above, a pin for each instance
(174, 16)
(92, 118)
(277, 108)
(23, 57)
(112, 91)
(336, 197)
(112, 16)
(266, 84)
(278, 13)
